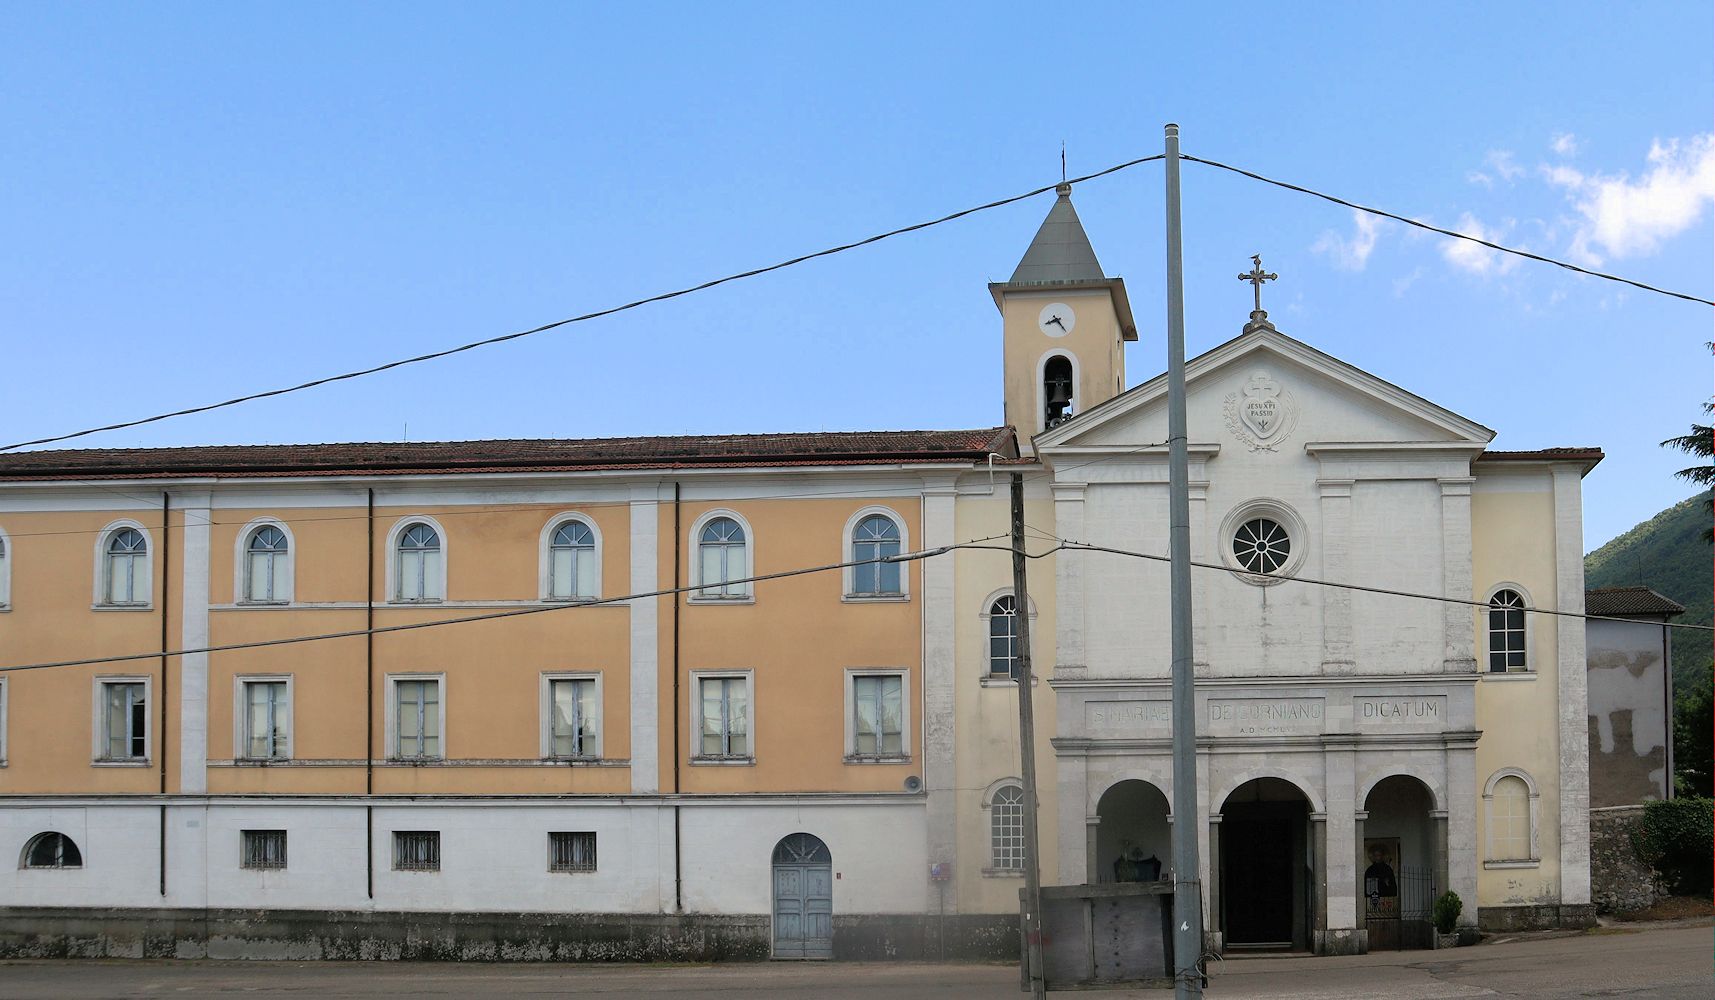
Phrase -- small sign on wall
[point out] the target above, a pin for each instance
(940, 871)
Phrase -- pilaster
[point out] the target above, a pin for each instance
(1571, 681)
(1069, 650)
(1457, 636)
(1337, 646)
(192, 678)
(646, 714)
(1201, 551)
(1345, 838)
(939, 679)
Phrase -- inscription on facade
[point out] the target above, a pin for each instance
(1265, 716)
(1415, 710)
(1128, 718)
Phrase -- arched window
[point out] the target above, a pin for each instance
(1507, 632)
(876, 537)
(572, 566)
(1058, 388)
(1510, 802)
(52, 850)
(420, 573)
(1006, 828)
(125, 568)
(1003, 637)
(266, 564)
(722, 553)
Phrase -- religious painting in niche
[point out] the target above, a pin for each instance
(1381, 878)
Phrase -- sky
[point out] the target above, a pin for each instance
(202, 200)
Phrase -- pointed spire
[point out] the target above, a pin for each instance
(1061, 251)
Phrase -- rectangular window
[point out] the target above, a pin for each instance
(264, 849)
(878, 715)
(573, 717)
(124, 720)
(267, 720)
(417, 718)
(571, 852)
(416, 850)
(724, 704)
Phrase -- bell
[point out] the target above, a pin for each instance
(1059, 401)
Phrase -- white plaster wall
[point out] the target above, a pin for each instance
(880, 860)
(120, 847)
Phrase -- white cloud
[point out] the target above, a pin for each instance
(1564, 144)
(1622, 217)
(1501, 162)
(1468, 256)
(1478, 177)
(1403, 284)
(1354, 253)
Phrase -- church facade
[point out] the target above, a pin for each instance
(632, 748)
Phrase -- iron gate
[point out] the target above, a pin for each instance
(1406, 923)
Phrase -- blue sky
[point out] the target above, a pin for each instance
(201, 200)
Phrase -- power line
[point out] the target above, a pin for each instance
(1444, 232)
(1069, 545)
(661, 297)
(976, 543)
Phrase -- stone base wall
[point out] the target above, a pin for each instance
(1620, 881)
(1544, 917)
(312, 935)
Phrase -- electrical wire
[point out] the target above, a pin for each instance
(1070, 545)
(611, 310)
(1383, 213)
(976, 543)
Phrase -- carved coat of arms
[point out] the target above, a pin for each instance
(1262, 413)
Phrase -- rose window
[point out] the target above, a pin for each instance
(1261, 545)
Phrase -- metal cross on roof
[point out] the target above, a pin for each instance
(1256, 276)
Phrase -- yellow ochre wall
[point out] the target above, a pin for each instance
(1512, 534)
(798, 637)
(986, 745)
(51, 618)
(1094, 343)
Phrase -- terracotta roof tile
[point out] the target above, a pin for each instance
(512, 455)
(1622, 601)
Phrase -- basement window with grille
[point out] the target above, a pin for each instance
(416, 850)
(571, 852)
(264, 850)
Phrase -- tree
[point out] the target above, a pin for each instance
(1700, 442)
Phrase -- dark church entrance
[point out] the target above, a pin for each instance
(1266, 867)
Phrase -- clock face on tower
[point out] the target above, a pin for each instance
(1056, 319)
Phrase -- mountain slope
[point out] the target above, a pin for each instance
(1667, 554)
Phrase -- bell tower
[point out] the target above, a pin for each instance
(1064, 325)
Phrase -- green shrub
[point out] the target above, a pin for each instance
(1678, 837)
(1448, 906)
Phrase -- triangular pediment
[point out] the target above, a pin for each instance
(1266, 390)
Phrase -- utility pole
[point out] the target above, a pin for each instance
(1027, 751)
(1187, 888)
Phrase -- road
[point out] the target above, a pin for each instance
(1669, 963)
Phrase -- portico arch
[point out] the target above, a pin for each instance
(1133, 836)
(1305, 788)
(1402, 861)
(1268, 865)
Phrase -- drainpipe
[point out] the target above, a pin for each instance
(161, 739)
(673, 712)
(369, 701)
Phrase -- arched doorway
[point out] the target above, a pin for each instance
(1133, 841)
(1268, 873)
(803, 898)
(1397, 877)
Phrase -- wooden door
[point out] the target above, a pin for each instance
(803, 898)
